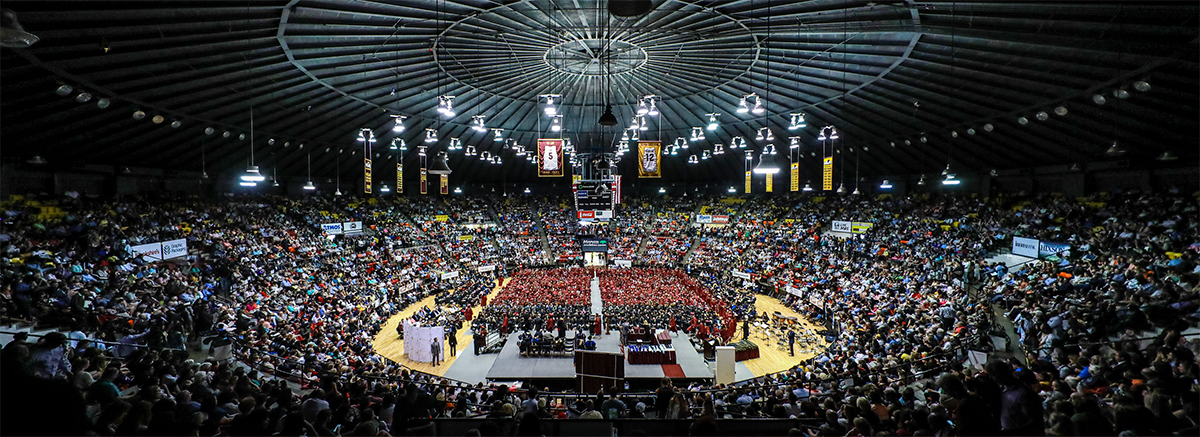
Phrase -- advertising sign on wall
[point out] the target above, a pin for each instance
(1025, 247)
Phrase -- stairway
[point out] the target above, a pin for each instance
(637, 255)
(687, 256)
(541, 226)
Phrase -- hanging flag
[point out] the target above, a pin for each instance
(445, 184)
(399, 178)
(616, 189)
(367, 175)
(795, 176)
(424, 183)
(649, 159)
(550, 159)
(770, 183)
(748, 182)
(828, 183)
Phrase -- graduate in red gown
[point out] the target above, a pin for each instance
(598, 327)
(673, 324)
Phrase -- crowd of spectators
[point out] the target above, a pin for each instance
(1107, 325)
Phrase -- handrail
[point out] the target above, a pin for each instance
(91, 340)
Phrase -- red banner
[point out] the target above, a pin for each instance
(550, 157)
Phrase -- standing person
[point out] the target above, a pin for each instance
(477, 340)
(746, 328)
(435, 347)
(453, 341)
(662, 397)
(792, 343)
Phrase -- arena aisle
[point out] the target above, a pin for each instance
(388, 344)
(597, 302)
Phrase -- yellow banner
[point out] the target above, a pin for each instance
(770, 183)
(367, 175)
(649, 159)
(400, 178)
(442, 218)
(424, 182)
(445, 184)
(748, 182)
(575, 178)
(828, 182)
(466, 237)
(795, 176)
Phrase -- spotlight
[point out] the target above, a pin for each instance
(556, 123)
(692, 159)
(642, 109)
(241, 137)
(712, 121)
(653, 108)
(225, 135)
(1167, 156)
(697, 133)
(797, 122)
(988, 127)
(795, 143)
(662, 190)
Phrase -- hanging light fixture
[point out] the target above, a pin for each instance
(807, 186)
(697, 133)
(550, 109)
(608, 119)
(398, 123)
(705, 154)
(384, 189)
(653, 107)
(455, 144)
(742, 106)
(477, 123)
(794, 143)
(470, 151)
(758, 106)
(718, 149)
(556, 124)
(693, 160)
(841, 188)
(430, 135)
(797, 121)
(642, 109)
(1141, 85)
(1115, 150)
(951, 180)
(712, 120)
(252, 176)
(1167, 156)
(439, 166)
(446, 105)
(497, 134)
(642, 123)
(765, 165)
(761, 134)
(921, 183)
(749, 155)
(885, 185)
(732, 190)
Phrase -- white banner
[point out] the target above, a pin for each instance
(623, 263)
(840, 226)
(351, 227)
(1025, 247)
(148, 252)
(793, 291)
(449, 275)
(485, 269)
(704, 219)
(331, 228)
(174, 248)
(738, 274)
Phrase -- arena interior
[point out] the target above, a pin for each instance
(609, 218)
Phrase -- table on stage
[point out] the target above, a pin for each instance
(650, 354)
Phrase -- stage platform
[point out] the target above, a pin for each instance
(510, 366)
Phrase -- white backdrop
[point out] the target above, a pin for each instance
(417, 341)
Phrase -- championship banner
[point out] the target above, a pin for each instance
(367, 175)
(445, 184)
(748, 182)
(575, 178)
(550, 159)
(424, 183)
(616, 186)
(399, 178)
(770, 183)
(828, 182)
(649, 159)
(795, 176)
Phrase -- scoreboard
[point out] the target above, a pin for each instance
(593, 199)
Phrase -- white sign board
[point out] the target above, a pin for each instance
(148, 252)
(351, 227)
(449, 275)
(623, 263)
(331, 228)
(793, 291)
(1025, 247)
(841, 226)
(484, 269)
(174, 248)
(742, 275)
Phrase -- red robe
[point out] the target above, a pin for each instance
(673, 324)
(483, 300)
(468, 313)
(598, 327)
